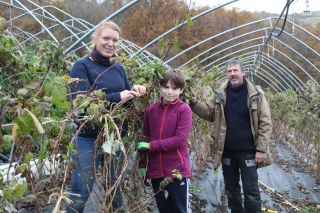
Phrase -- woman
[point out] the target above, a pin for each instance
(96, 71)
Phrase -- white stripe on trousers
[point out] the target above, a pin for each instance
(189, 210)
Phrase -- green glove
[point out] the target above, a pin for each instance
(143, 172)
(143, 146)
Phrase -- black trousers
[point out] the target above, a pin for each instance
(234, 165)
(178, 196)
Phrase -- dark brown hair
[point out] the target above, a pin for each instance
(175, 76)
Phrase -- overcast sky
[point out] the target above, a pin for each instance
(273, 6)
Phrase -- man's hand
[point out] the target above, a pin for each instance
(260, 156)
(193, 98)
(143, 146)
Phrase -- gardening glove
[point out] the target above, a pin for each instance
(143, 146)
(143, 172)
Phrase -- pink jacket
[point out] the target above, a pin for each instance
(167, 129)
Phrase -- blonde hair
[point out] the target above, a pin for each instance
(103, 25)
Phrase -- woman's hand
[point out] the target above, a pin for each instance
(139, 89)
(126, 94)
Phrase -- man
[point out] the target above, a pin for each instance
(242, 129)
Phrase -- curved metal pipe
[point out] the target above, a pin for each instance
(292, 74)
(93, 29)
(250, 59)
(212, 37)
(42, 25)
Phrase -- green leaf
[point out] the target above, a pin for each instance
(93, 109)
(44, 68)
(61, 104)
(28, 157)
(176, 22)
(70, 147)
(22, 168)
(58, 91)
(56, 88)
(214, 68)
(126, 139)
(175, 43)
(7, 194)
(65, 157)
(189, 21)
(1, 180)
(140, 81)
(100, 94)
(162, 43)
(177, 174)
(11, 41)
(7, 143)
(42, 154)
(19, 191)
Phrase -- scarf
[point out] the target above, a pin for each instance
(99, 58)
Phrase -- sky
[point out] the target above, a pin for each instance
(272, 6)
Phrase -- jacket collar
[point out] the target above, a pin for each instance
(253, 91)
(172, 103)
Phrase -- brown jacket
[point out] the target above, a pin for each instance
(260, 119)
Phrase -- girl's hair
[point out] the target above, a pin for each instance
(103, 25)
(175, 76)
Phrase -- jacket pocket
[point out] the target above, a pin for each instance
(180, 156)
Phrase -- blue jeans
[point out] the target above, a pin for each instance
(82, 179)
(231, 163)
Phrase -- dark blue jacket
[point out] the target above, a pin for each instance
(111, 78)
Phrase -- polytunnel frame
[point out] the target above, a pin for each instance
(248, 60)
(133, 49)
(180, 25)
(240, 50)
(248, 24)
(258, 45)
(248, 47)
(222, 68)
(145, 54)
(69, 25)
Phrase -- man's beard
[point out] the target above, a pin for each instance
(236, 85)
